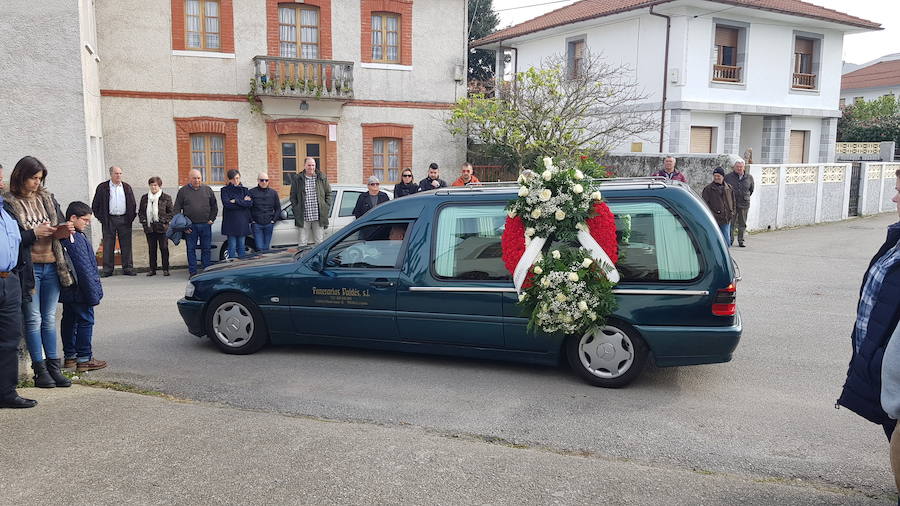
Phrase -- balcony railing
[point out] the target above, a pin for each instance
(295, 77)
(727, 73)
(804, 81)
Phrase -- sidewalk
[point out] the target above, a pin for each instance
(95, 446)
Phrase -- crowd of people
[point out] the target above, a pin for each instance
(45, 259)
(727, 196)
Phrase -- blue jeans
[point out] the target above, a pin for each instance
(40, 314)
(262, 235)
(76, 330)
(726, 232)
(202, 233)
(236, 246)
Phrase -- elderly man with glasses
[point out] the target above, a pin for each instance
(370, 199)
(406, 186)
(265, 210)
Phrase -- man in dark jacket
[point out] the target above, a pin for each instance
(370, 199)
(264, 211)
(115, 209)
(10, 310)
(720, 199)
(311, 201)
(742, 185)
(877, 317)
(198, 203)
(79, 299)
(433, 181)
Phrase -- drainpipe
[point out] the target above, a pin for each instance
(665, 90)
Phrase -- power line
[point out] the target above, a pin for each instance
(532, 5)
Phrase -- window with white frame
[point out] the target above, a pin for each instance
(386, 159)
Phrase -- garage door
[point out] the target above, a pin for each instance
(798, 146)
(701, 139)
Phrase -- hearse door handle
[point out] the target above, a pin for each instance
(382, 283)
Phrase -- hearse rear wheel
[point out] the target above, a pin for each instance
(235, 325)
(609, 357)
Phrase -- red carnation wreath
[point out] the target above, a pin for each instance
(602, 227)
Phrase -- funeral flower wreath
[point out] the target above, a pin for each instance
(568, 287)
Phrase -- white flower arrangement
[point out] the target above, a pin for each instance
(568, 290)
(556, 199)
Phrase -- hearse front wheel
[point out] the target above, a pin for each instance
(235, 325)
(609, 357)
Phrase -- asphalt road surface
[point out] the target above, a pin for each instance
(766, 417)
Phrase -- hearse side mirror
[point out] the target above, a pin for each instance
(316, 263)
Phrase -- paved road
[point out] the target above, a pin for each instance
(766, 416)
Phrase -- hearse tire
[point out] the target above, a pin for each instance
(610, 357)
(235, 325)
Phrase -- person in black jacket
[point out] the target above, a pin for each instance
(79, 299)
(264, 211)
(873, 355)
(10, 308)
(406, 186)
(155, 212)
(115, 209)
(372, 198)
(236, 204)
(433, 181)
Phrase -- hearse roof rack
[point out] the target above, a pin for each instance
(650, 182)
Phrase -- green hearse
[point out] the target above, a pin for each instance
(424, 274)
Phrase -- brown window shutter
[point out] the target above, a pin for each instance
(727, 37)
(701, 139)
(803, 46)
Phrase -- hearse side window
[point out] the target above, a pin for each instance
(467, 243)
(659, 249)
(370, 247)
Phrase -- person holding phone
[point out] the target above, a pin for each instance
(41, 226)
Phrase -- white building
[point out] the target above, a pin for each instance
(257, 85)
(871, 82)
(729, 75)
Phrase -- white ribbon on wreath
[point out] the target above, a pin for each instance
(587, 242)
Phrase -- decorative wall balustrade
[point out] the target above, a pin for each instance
(296, 77)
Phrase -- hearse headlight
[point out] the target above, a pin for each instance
(189, 290)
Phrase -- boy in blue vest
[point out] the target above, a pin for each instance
(78, 300)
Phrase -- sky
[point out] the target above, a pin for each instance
(858, 48)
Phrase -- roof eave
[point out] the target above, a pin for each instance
(495, 40)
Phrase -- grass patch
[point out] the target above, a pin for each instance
(123, 387)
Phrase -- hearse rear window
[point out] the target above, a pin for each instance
(659, 247)
(467, 243)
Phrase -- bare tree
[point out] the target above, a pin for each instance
(557, 110)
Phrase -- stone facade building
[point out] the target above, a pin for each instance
(162, 86)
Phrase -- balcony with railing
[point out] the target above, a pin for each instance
(727, 73)
(295, 77)
(804, 81)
